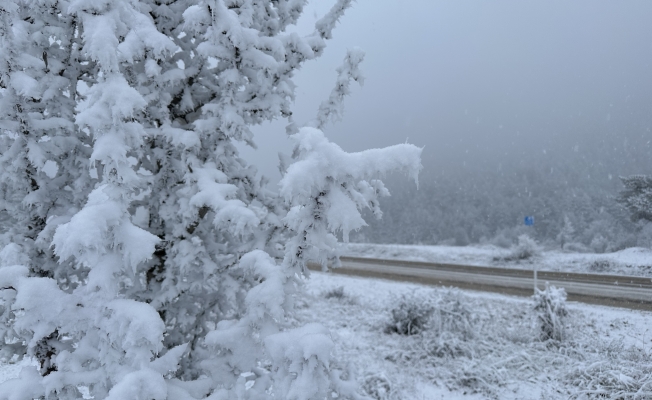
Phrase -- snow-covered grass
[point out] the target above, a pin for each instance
(478, 345)
(474, 345)
(633, 261)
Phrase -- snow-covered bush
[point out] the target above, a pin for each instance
(551, 313)
(567, 232)
(443, 315)
(501, 240)
(525, 249)
(149, 252)
(599, 243)
(339, 294)
(336, 293)
(636, 197)
(410, 315)
(459, 346)
(452, 325)
(377, 386)
(452, 315)
(503, 354)
(601, 265)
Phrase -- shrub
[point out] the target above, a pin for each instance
(525, 249)
(377, 386)
(601, 265)
(452, 315)
(452, 326)
(410, 316)
(599, 244)
(501, 240)
(550, 307)
(336, 293)
(444, 316)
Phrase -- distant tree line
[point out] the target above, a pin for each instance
(637, 196)
(578, 205)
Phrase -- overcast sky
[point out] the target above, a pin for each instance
(481, 80)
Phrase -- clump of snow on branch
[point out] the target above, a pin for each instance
(326, 189)
(326, 24)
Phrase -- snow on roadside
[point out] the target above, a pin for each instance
(633, 261)
(608, 349)
(501, 358)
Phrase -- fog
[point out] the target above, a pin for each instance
(484, 84)
(524, 108)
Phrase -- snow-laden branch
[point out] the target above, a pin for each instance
(333, 108)
(321, 162)
(326, 188)
(327, 23)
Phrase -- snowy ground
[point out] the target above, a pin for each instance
(633, 261)
(478, 345)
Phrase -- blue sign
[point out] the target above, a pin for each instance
(529, 220)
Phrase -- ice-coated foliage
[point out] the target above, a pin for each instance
(550, 308)
(410, 316)
(525, 249)
(332, 109)
(140, 256)
(483, 346)
(461, 206)
(567, 232)
(43, 157)
(326, 188)
(445, 317)
(637, 196)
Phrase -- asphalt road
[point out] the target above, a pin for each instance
(611, 290)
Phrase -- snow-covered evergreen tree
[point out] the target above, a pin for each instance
(637, 196)
(91, 335)
(171, 276)
(43, 174)
(567, 232)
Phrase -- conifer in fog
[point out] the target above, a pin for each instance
(142, 257)
(637, 196)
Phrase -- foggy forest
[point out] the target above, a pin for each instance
(312, 200)
(486, 204)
